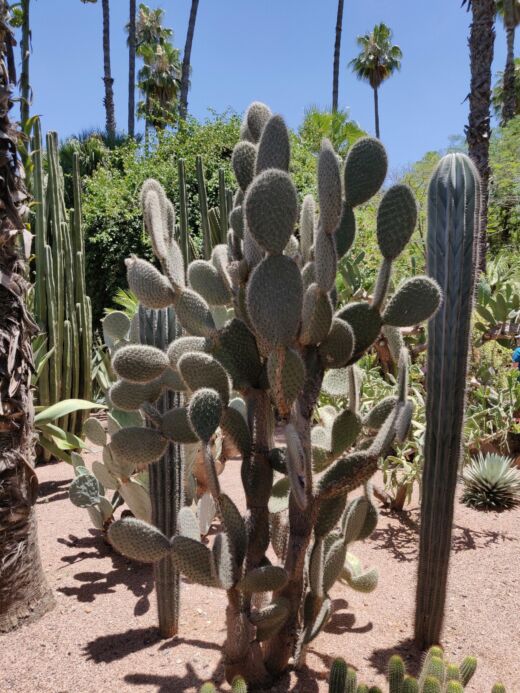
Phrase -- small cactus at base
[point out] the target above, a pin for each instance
(239, 685)
(207, 687)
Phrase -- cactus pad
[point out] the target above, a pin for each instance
(224, 561)
(347, 474)
(264, 579)
(137, 446)
(84, 491)
(148, 284)
(346, 231)
(194, 314)
(307, 222)
(234, 526)
(204, 412)
(274, 299)
(194, 560)
(243, 162)
(274, 149)
(416, 300)
(256, 118)
(316, 315)
(345, 429)
(95, 431)
(139, 363)
(271, 210)
(206, 280)
(325, 260)
(138, 540)
(396, 219)
(198, 370)
(270, 618)
(336, 350)
(116, 325)
(286, 374)
(235, 426)
(366, 324)
(380, 412)
(365, 170)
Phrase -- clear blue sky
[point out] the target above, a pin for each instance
(277, 51)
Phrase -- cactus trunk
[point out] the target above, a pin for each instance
(453, 213)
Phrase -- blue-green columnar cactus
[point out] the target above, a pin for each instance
(453, 213)
(281, 334)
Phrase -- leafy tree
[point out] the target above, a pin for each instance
(336, 126)
(186, 62)
(504, 197)
(497, 97)
(378, 60)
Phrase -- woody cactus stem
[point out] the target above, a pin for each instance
(453, 213)
(62, 307)
(158, 328)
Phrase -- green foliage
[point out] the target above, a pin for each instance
(504, 199)
(337, 127)
(491, 482)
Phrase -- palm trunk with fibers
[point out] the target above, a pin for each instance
(131, 70)
(509, 105)
(478, 130)
(376, 111)
(24, 592)
(107, 78)
(337, 49)
(25, 88)
(186, 62)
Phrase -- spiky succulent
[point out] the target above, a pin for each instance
(284, 331)
(491, 482)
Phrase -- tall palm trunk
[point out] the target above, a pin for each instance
(25, 89)
(376, 111)
(107, 79)
(186, 61)
(24, 592)
(509, 104)
(478, 130)
(337, 50)
(131, 70)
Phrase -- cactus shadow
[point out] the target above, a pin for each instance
(402, 539)
(306, 681)
(343, 622)
(167, 684)
(109, 648)
(50, 491)
(409, 651)
(465, 539)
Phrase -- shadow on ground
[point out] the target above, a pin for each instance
(408, 650)
(49, 491)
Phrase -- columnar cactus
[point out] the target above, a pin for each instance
(453, 213)
(284, 331)
(436, 676)
(61, 304)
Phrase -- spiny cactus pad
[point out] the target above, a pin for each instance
(204, 412)
(148, 284)
(205, 279)
(380, 412)
(345, 429)
(235, 426)
(256, 118)
(316, 315)
(329, 188)
(116, 325)
(184, 344)
(198, 370)
(271, 210)
(243, 161)
(336, 350)
(265, 579)
(95, 431)
(274, 150)
(194, 314)
(325, 260)
(307, 222)
(286, 373)
(137, 446)
(275, 298)
(365, 322)
(396, 219)
(416, 300)
(365, 170)
(138, 540)
(84, 491)
(346, 231)
(194, 560)
(139, 363)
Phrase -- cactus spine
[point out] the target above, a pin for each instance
(62, 307)
(256, 347)
(453, 213)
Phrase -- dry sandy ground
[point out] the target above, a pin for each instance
(101, 637)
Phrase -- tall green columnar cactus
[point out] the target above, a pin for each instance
(283, 333)
(158, 328)
(453, 212)
(62, 307)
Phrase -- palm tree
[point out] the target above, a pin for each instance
(149, 27)
(337, 49)
(107, 78)
(159, 82)
(378, 60)
(186, 61)
(497, 96)
(478, 129)
(510, 12)
(24, 592)
(131, 69)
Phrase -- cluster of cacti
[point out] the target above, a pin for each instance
(452, 246)
(285, 333)
(61, 305)
(437, 676)
(238, 685)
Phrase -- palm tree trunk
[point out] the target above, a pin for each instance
(131, 70)
(107, 79)
(376, 111)
(186, 61)
(25, 47)
(24, 593)
(337, 50)
(478, 130)
(509, 104)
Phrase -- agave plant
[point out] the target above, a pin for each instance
(491, 482)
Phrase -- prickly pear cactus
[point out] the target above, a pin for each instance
(276, 278)
(436, 676)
